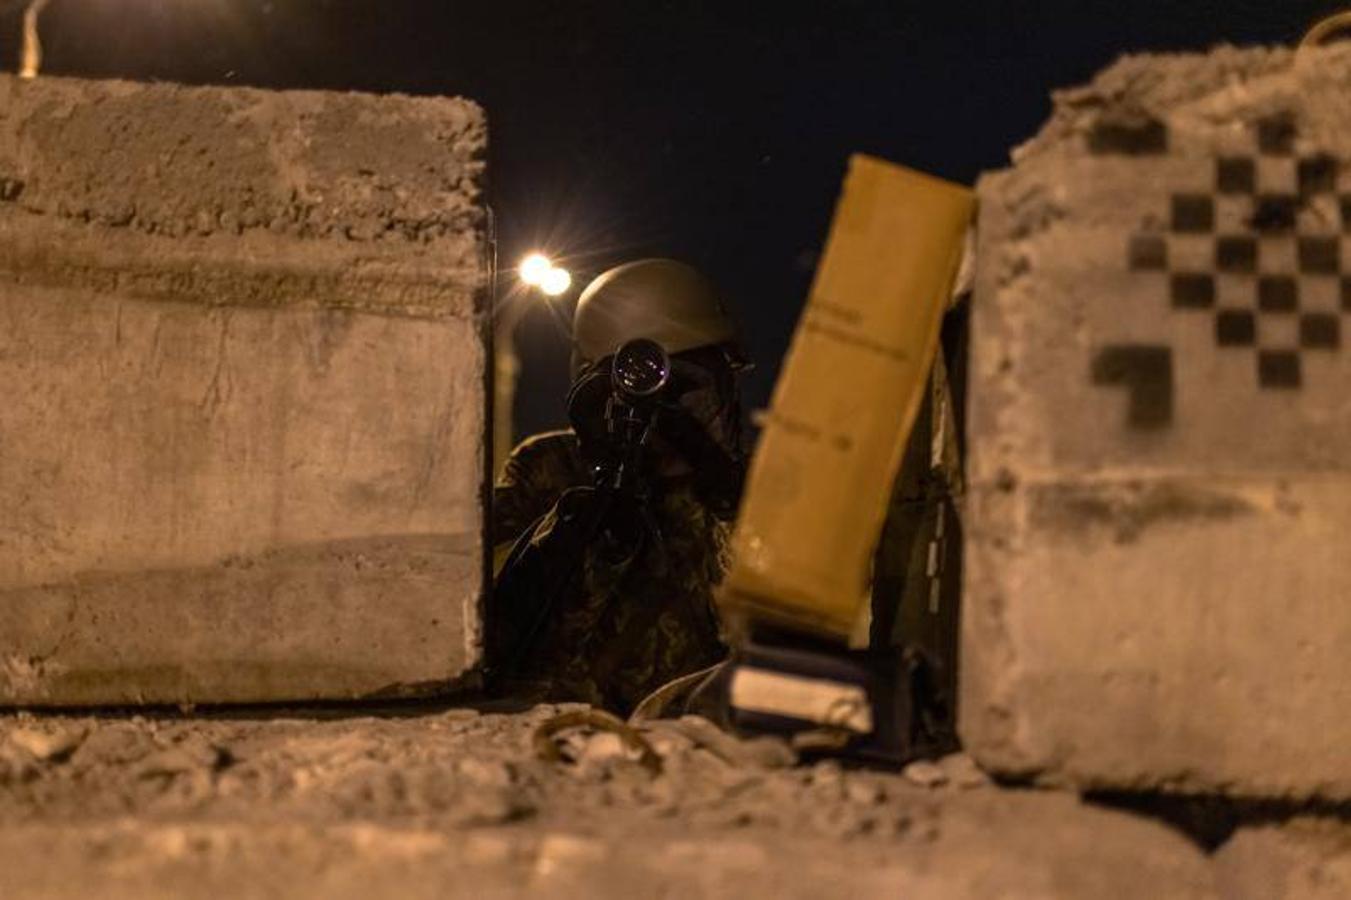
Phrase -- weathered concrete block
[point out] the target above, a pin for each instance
(1160, 442)
(242, 440)
(1306, 859)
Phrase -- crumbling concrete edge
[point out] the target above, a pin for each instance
(991, 488)
(1158, 82)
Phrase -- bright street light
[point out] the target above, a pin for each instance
(538, 271)
(534, 268)
(555, 281)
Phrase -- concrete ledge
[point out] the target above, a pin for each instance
(176, 161)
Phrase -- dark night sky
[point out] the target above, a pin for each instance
(711, 131)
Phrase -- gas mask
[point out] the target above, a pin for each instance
(644, 414)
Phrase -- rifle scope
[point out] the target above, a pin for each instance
(641, 368)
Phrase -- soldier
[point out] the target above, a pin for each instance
(603, 594)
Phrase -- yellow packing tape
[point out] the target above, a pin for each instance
(846, 399)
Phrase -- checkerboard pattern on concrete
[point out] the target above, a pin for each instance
(1263, 252)
(1159, 435)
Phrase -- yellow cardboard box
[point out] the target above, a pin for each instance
(846, 399)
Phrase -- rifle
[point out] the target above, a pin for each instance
(544, 564)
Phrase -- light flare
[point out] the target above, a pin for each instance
(556, 281)
(534, 268)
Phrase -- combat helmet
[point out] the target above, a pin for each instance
(663, 300)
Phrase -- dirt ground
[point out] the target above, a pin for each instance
(457, 802)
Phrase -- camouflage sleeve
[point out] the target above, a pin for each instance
(534, 477)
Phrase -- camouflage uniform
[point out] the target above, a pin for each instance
(623, 627)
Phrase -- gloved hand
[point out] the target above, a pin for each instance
(700, 421)
(612, 526)
(587, 403)
(612, 435)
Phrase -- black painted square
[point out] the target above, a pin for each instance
(1321, 331)
(1277, 293)
(1320, 255)
(1235, 175)
(1193, 213)
(1148, 252)
(1317, 174)
(1236, 328)
(1274, 212)
(1140, 137)
(1147, 372)
(1276, 135)
(1236, 253)
(1193, 290)
(1278, 369)
(1271, 219)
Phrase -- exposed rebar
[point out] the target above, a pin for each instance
(32, 45)
(1330, 27)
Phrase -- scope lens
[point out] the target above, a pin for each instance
(641, 368)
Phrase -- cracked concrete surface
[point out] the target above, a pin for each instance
(458, 802)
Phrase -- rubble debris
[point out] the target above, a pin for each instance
(610, 725)
(46, 746)
(925, 774)
(961, 771)
(455, 801)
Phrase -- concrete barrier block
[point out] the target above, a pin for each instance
(242, 434)
(1307, 858)
(1160, 436)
